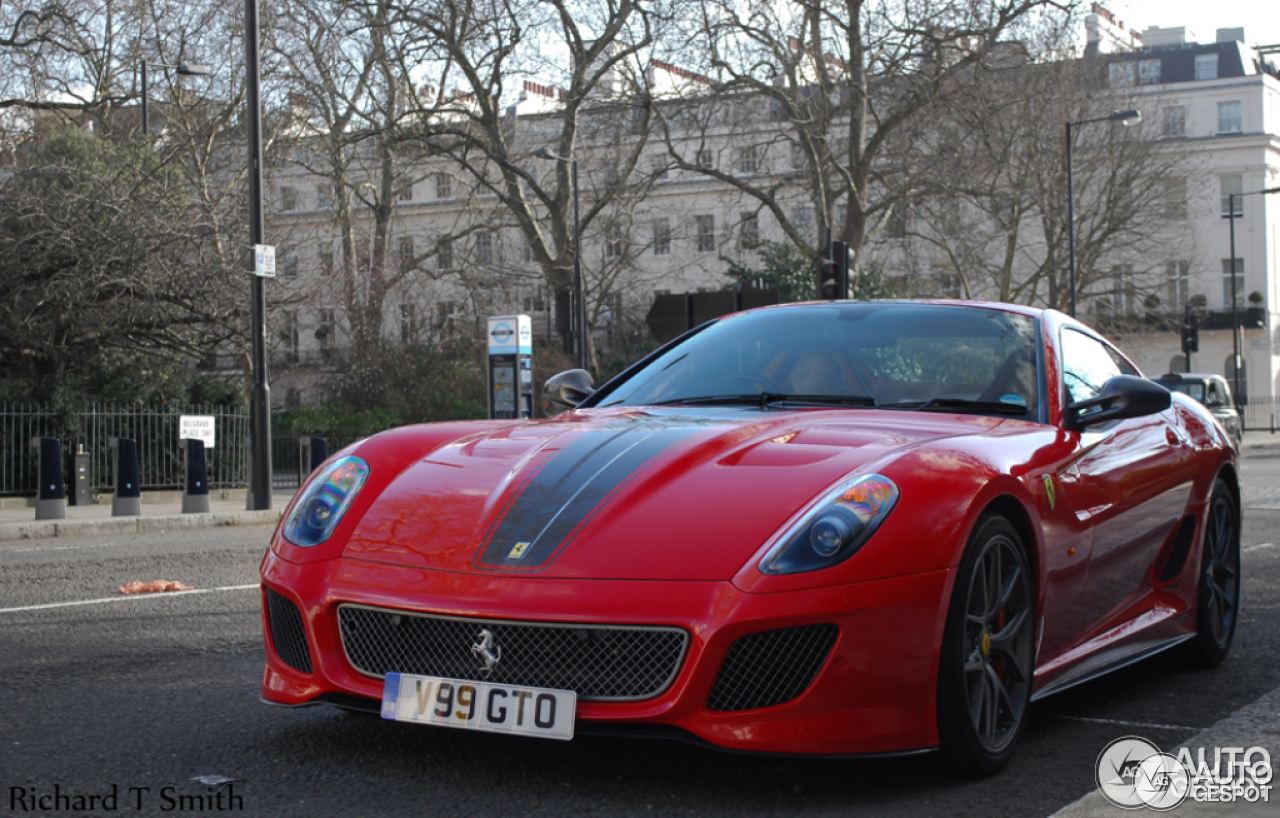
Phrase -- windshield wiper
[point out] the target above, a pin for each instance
(770, 399)
(779, 399)
(709, 400)
(958, 403)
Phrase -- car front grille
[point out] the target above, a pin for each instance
(288, 635)
(599, 662)
(771, 667)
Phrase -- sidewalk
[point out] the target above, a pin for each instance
(166, 515)
(1259, 440)
(1254, 725)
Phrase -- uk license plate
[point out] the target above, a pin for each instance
(494, 708)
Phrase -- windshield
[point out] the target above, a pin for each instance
(1195, 390)
(899, 355)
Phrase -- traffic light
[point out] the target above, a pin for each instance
(1191, 332)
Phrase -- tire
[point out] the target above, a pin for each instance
(1218, 586)
(987, 665)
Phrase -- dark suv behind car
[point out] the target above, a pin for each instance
(1213, 392)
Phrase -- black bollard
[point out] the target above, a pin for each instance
(51, 500)
(317, 452)
(195, 488)
(127, 500)
(80, 496)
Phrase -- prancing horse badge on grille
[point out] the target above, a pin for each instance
(487, 651)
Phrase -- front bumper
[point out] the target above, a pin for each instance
(874, 694)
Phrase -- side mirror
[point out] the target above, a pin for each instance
(1215, 404)
(568, 389)
(1124, 396)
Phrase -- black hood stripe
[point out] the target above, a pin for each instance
(568, 491)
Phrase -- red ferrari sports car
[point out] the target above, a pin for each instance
(830, 528)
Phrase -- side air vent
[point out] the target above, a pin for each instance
(771, 667)
(1181, 547)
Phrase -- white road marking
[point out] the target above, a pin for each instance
(1259, 547)
(127, 598)
(1128, 723)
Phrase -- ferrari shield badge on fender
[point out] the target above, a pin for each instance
(517, 550)
(1049, 490)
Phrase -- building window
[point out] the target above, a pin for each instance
(658, 169)
(1125, 288)
(327, 334)
(798, 158)
(1176, 286)
(1229, 117)
(324, 254)
(288, 199)
(1229, 369)
(324, 197)
(526, 252)
(484, 247)
(662, 237)
(290, 336)
(802, 220)
(444, 254)
(749, 159)
(706, 159)
(1174, 199)
(705, 230)
(408, 324)
(1121, 74)
(405, 192)
(406, 251)
(1226, 281)
(895, 226)
(289, 265)
(749, 230)
(615, 241)
(1149, 72)
(1175, 121)
(1206, 66)
(444, 186)
(1232, 185)
(1177, 364)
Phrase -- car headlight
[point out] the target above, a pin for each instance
(324, 501)
(835, 528)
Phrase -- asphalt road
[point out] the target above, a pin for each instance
(153, 692)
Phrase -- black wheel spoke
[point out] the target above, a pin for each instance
(1005, 643)
(1006, 591)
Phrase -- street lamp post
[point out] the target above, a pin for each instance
(1235, 303)
(1130, 117)
(578, 325)
(193, 70)
(260, 393)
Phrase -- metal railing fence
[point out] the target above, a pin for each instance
(155, 428)
(1260, 413)
(160, 462)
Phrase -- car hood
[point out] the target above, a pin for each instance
(653, 494)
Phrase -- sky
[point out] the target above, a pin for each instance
(1259, 18)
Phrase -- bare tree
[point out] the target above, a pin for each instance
(990, 213)
(844, 88)
(478, 50)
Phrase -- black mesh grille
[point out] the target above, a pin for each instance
(600, 662)
(771, 667)
(288, 635)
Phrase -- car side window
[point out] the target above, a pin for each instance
(1087, 364)
(1214, 395)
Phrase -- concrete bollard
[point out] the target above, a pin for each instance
(127, 500)
(195, 487)
(51, 500)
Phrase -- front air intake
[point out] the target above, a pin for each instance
(771, 667)
(288, 635)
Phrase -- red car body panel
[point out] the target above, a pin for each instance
(677, 537)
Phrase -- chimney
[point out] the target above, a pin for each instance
(1226, 35)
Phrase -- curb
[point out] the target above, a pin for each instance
(46, 529)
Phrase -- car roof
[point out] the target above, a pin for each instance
(1188, 376)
